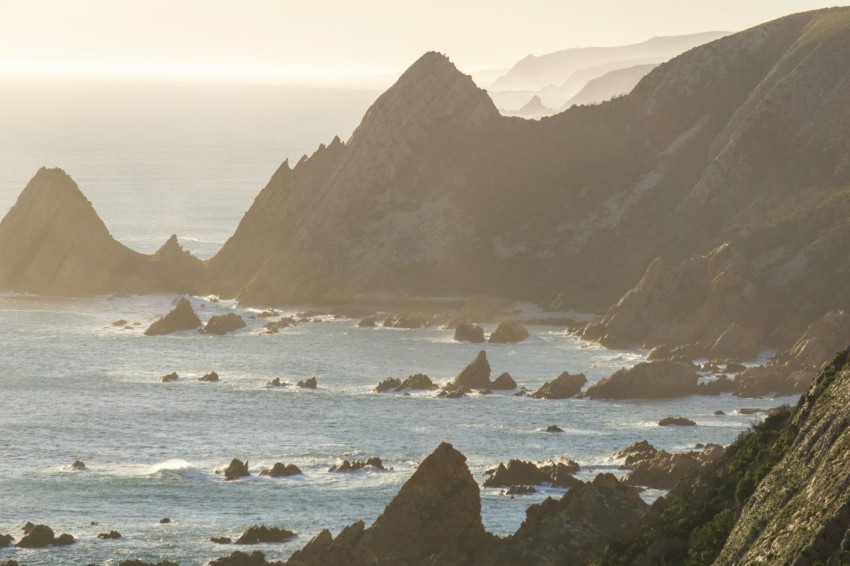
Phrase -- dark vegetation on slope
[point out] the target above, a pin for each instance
(692, 523)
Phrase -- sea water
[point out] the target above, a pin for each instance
(73, 386)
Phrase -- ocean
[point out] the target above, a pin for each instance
(189, 159)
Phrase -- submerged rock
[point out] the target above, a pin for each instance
(468, 332)
(181, 317)
(554, 428)
(165, 521)
(260, 533)
(223, 323)
(78, 465)
(276, 326)
(562, 387)
(237, 469)
(508, 331)
(676, 421)
(111, 535)
(221, 540)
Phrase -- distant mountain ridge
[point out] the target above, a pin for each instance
(534, 73)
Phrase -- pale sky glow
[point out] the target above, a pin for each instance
(320, 41)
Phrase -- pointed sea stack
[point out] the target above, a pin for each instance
(53, 242)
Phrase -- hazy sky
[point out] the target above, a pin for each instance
(315, 40)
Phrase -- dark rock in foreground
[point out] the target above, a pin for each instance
(181, 317)
(517, 472)
(237, 469)
(223, 323)
(240, 558)
(562, 387)
(347, 466)
(6, 540)
(508, 331)
(468, 332)
(281, 470)
(676, 421)
(434, 519)
(260, 533)
(659, 469)
(647, 380)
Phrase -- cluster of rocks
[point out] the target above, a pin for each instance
(38, 536)
(506, 332)
(183, 317)
(520, 473)
(562, 387)
(353, 466)
(436, 519)
(417, 382)
(211, 377)
(275, 326)
(659, 469)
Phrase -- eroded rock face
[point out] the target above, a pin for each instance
(647, 380)
(476, 375)
(658, 469)
(434, 519)
(709, 301)
(223, 323)
(518, 472)
(564, 386)
(469, 332)
(181, 317)
(508, 331)
(791, 371)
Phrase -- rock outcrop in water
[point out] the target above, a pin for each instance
(223, 323)
(476, 375)
(562, 387)
(508, 331)
(518, 472)
(181, 317)
(39, 536)
(647, 380)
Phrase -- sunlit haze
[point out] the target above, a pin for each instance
(317, 42)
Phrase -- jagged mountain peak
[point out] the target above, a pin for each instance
(431, 90)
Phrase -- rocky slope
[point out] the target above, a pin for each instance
(612, 84)
(53, 242)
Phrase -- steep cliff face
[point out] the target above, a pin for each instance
(799, 513)
(52, 242)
